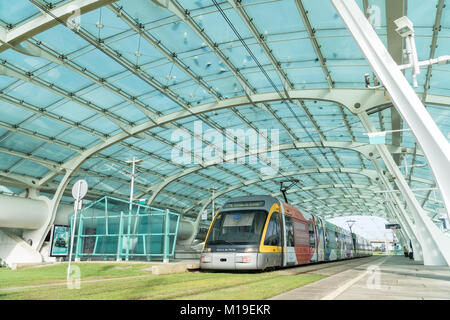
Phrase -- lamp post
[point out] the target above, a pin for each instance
(133, 170)
(130, 208)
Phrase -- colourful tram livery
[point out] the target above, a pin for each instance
(261, 232)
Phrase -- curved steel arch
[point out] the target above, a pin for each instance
(340, 96)
(332, 95)
(371, 174)
(353, 105)
(205, 203)
(363, 148)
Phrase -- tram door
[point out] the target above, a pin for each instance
(289, 255)
(272, 245)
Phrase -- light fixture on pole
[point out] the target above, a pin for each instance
(133, 170)
(405, 28)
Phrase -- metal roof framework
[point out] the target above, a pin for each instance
(79, 104)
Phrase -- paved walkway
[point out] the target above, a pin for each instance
(374, 278)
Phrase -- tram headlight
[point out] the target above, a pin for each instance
(205, 259)
(248, 250)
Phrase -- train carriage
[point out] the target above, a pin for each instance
(261, 232)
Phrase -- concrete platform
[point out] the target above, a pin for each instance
(374, 278)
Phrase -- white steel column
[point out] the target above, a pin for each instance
(435, 245)
(429, 137)
(400, 213)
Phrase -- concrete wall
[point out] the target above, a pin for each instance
(14, 250)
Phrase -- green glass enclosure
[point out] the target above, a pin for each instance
(115, 229)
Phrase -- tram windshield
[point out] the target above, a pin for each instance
(237, 227)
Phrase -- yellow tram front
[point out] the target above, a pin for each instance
(244, 235)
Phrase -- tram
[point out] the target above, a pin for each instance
(262, 232)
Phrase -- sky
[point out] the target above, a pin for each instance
(369, 227)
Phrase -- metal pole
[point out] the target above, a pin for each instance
(73, 231)
(119, 244)
(166, 237)
(213, 198)
(79, 243)
(106, 215)
(130, 208)
(213, 202)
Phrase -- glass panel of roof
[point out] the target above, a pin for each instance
(307, 75)
(47, 126)
(97, 62)
(15, 12)
(103, 125)
(34, 94)
(62, 40)
(144, 12)
(74, 111)
(20, 142)
(177, 37)
(161, 103)
(6, 161)
(102, 23)
(54, 152)
(80, 138)
(30, 168)
(204, 63)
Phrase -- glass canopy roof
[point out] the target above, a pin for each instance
(79, 82)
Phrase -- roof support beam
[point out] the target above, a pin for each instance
(434, 244)
(351, 98)
(43, 22)
(436, 29)
(394, 10)
(435, 146)
(361, 148)
(207, 201)
(314, 42)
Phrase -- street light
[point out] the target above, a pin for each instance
(405, 27)
(130, 208)
(134, 162)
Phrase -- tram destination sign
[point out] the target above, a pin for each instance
(244, 204)
(393, 226)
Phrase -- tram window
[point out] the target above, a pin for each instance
(312, 239)
(289, 232)
(273, 231)
(331, 239)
